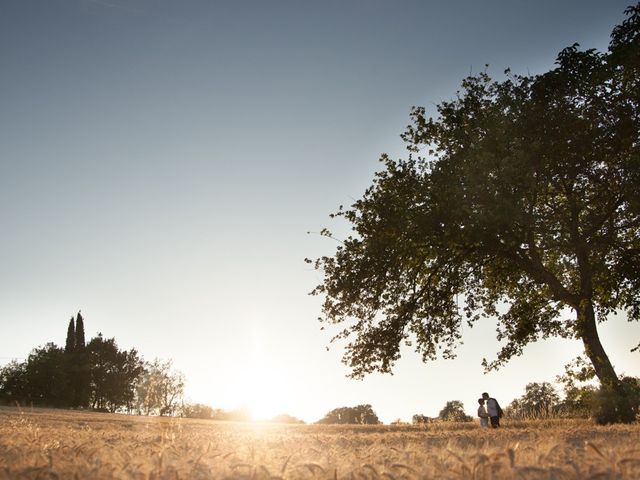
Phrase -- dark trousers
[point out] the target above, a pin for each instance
(495, 422)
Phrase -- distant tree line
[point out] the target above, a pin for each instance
(96, 375)
(453, 411)
(206, 412)
(99, 375)
(580, 398)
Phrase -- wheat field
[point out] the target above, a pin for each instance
(52, 444)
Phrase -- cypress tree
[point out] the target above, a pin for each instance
(71, 338)
(82, 377)
(79, 343)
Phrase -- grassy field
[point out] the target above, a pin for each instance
(49, 444)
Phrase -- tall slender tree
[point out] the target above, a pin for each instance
(69, 364)
(69, 346)
(79, 334)
(81, 368)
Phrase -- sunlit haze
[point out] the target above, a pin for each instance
(162, 162)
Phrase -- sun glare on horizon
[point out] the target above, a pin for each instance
(261, 391)
(253, 381)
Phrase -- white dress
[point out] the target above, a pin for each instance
(484, 418)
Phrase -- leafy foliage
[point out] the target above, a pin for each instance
(540, 400)
(361, 414)
(420, 419)
(70, 342)
(114, 374)
(237, 415)
(578, 389)
(196, 410)
(521, 194)
(97, 375)
(79, 366)
(610, 407)
(160, 388)
(79, 334)
(453, 411)
(46, 377)
(285, 418)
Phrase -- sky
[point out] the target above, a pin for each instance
(162, 162)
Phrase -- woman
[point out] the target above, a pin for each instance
(482, 413)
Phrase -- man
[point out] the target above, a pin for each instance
(493, 409)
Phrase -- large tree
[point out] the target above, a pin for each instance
(40, 380)
(13, 383)
(114, 374)
(519, 201)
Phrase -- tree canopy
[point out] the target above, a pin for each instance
(97, 375)
(519, 201)
(578, 392)
(453, 411)
(114, 374)
(540, 400)
(159, 389)
(360, 414)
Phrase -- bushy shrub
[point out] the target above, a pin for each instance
(611, 406)
(196, 410)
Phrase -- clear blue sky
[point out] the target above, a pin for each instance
(162, 161)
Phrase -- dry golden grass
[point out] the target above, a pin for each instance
(49, 444)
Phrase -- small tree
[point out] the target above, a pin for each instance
(453, 411)
(41, 380)
(13, 383)
(578, 389)
(359, 415)
(285, 418)
(197, 410)
(238, 415)
(583, 399)
(609, 407)
(160, 389)
(540, 400)
(419, 419)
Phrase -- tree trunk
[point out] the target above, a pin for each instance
(612, 405)
(588, 332)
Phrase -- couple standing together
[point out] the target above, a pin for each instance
(491, 414)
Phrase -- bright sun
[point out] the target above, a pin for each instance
(262, 392)
(256, 384)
